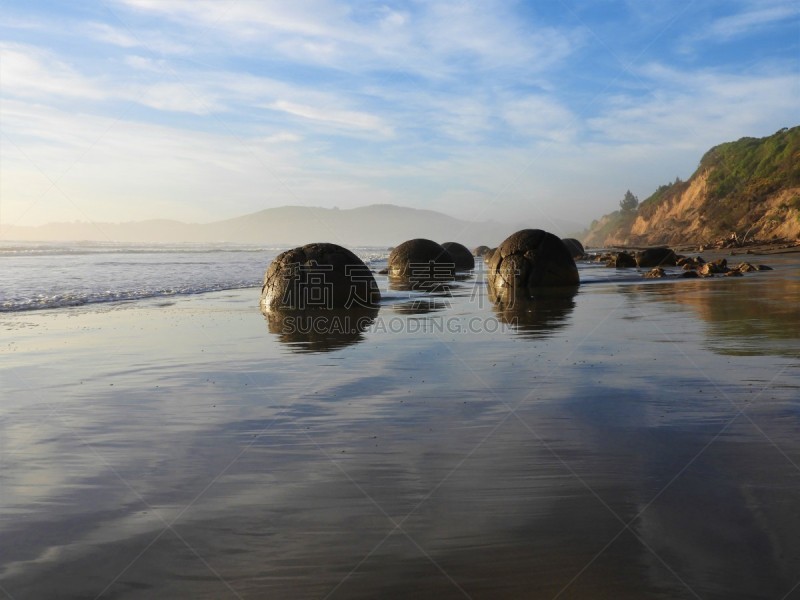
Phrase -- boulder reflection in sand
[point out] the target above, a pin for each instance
(320, 330)
(426, 285)
(421, 306)
(532, 317)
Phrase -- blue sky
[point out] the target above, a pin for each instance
(538, 113)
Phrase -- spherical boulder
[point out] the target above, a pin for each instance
(575, 248)
(527, 261)
(461, 255)
(318, 276)
(480, 251)
(656, 257)
(421, 259)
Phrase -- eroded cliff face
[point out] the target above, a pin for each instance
(682, 216)
(690, 217)
(782, 217)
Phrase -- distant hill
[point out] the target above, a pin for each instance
(750, 188)
(375, 225)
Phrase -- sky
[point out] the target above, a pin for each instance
(539, 112)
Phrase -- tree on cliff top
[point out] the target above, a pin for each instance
(629, 203)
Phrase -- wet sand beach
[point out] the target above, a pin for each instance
(637, 439)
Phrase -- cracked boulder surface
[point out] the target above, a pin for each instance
(462, 257)
(528, 262)
(318, 276)
(421, 259)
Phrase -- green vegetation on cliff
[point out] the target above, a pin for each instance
(750, 169)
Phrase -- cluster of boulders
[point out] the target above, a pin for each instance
(532, 273)
(328, 276)
(649, 257)
(657, 258)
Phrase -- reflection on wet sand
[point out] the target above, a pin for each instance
(747, 315)
(421, 305)
(426, 286)
(534, 317)
(320, 330)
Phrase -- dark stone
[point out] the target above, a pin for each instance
(622, 260)
(528, 261)
(480, 251)
(714, 267)
(421, 260)
(763, 268)
(690, 262)
(318, 276)
(462, 257)
(655, 273)
(690, 274)
(745, 267)
(656, 257)
(575, 248)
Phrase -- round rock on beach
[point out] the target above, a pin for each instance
(527, 262)
(656, 257)
(421, 259)
(575, 247)
(318, 276)
(461, 255)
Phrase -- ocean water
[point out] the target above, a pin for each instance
(35, 275)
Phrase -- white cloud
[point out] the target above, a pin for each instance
(177, 97)
(114, 169)
(250, 17)
(37, 74)
(30, 72)
(744, 23)
(433, 40)
(347, 119)
(541, 117)
(704, 108)
(141, 63)
(130, 38)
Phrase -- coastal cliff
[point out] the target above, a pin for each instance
(744, 190)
